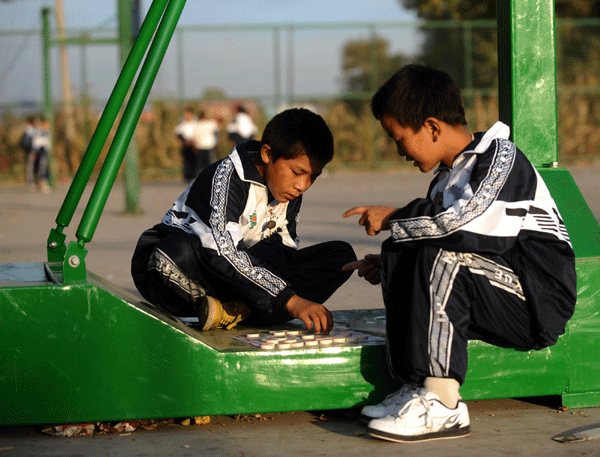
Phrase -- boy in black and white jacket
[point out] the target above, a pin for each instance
(228, 249)
(486, 254)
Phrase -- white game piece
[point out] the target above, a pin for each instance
(267, 346)
(298, 344)
(253, 335)
(325, 341)
(311, 343)
(308, 337)
(284, 346)
(339, 339)
(293, 332)
(278, 333)
(271, 341)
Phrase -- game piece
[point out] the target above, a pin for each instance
(267, 346)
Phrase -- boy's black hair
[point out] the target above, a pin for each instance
(417, 92)
(296, 131)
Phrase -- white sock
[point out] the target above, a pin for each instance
(446, 389)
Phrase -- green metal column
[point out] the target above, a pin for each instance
(180, 68)
(132, 180)
(47, 88)
(527, 76)
(56, 239)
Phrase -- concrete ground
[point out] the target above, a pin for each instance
(499, 427)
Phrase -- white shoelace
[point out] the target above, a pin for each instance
(395, 397)
(418, 398)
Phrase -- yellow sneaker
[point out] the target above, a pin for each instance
(214, 314)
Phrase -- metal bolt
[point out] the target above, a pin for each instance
(553, 164)
(52, 244)
(74, 261)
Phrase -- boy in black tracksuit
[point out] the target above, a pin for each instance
(227, 250)
(486, 254)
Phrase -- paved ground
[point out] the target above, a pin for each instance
(500, 427)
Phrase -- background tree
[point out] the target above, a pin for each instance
(366, 65)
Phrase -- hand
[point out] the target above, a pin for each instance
(373, 218)
(311, 313)
(368, 268)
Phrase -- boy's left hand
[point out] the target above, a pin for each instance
(368, 268)
(373, 218)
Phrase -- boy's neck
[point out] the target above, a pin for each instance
(457, 139)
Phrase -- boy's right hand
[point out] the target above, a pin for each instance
(368, 268)
(311, 313)
(373, 218)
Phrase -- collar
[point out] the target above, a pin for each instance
(242, 158)
(481, 143)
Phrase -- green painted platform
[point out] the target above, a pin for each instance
(90, 351)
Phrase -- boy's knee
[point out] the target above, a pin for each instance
(345, 250)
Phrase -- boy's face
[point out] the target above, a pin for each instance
(418, 147)
(287, 179)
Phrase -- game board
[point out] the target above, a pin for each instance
(306, 339)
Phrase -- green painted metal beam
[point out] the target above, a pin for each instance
(132, 113)
(527, 76)
(56, 241)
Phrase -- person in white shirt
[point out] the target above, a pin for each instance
(242, 128)
(41, 144)
(206, 138)
(185, 132)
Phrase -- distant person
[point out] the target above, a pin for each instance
(41, 144)
(485, 254)
(228, 249)
(26, 144)
(206, 138)
(185, 132)
(242, 128)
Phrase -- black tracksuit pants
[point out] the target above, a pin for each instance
(314, 272)
(436, 300)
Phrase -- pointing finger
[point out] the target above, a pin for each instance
(353, 211)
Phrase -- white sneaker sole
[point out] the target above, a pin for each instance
(439, 435)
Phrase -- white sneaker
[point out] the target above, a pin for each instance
(423, 417)
(390, 405)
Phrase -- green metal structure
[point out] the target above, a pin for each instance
(75, 348)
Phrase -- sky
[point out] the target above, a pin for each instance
(240, 63)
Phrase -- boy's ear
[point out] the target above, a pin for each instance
(265, 153)
(433, 127)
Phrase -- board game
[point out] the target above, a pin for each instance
(305, 339)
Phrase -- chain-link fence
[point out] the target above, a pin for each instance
(332, 67)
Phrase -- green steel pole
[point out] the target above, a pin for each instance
(181, 69)
(48, 110)
(527, 76)
(56, 245)
(130, 118)
(131, 168)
